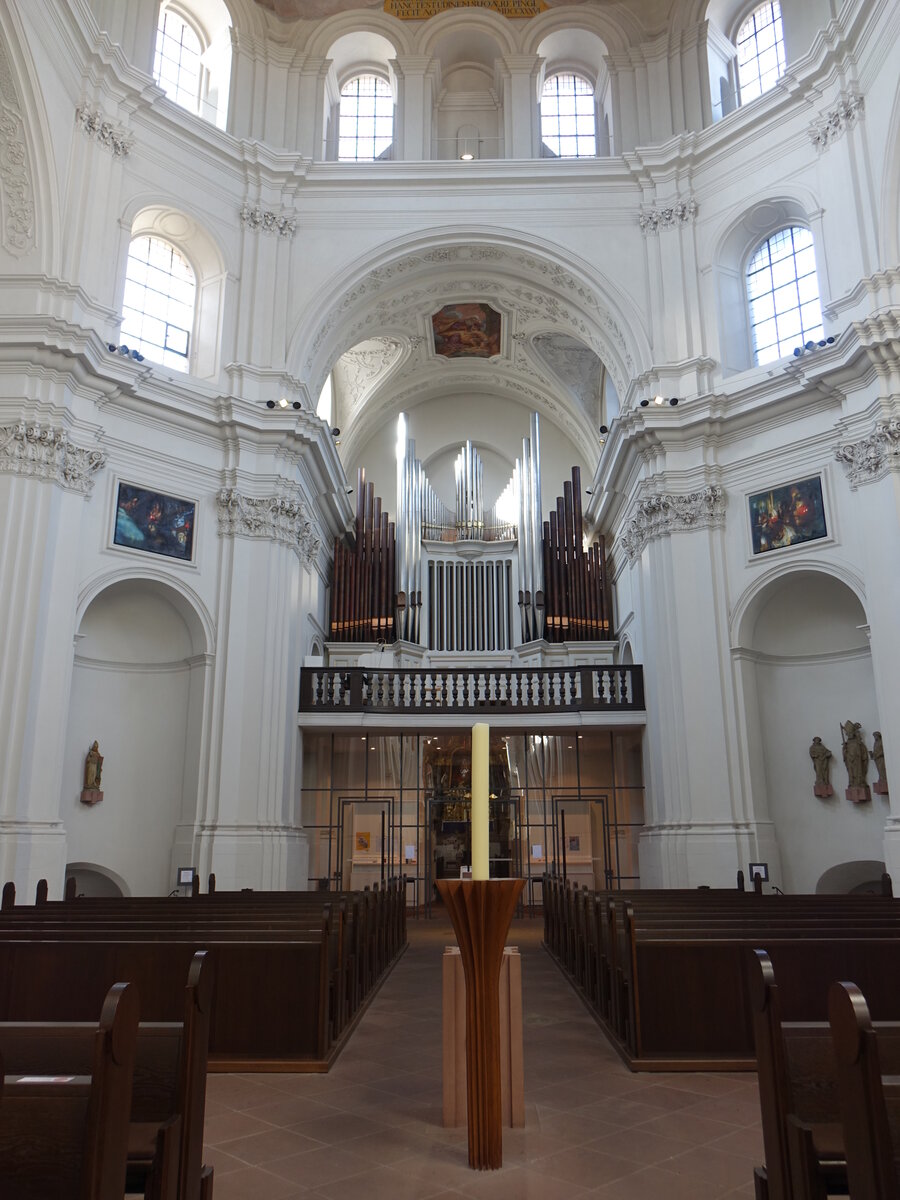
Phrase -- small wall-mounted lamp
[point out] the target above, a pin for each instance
(125, 352)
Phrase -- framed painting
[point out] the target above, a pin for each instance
(466, 331)
(788, 515)
(154, 522)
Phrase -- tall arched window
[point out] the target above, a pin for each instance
(783, 294)
(568, 117)
(760, 51)
(158, 308)
(192, 62)
(366, 126)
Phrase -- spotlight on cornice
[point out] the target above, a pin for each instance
(270, 404)
(644, 403)
(468, 156)
(335, 432)
(282, 403)
(297, 405)
(604, 429)
(659, 399)
(673, 401)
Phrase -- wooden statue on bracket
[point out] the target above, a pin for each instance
(856, 760)
(821, 757)
(880, 786)
(93, 770)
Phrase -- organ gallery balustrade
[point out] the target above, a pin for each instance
(367, 689)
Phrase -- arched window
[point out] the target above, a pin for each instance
(158, 308)
(192, 61)
(568, 117)
(783, 294)
(366, 127)
(760, 51)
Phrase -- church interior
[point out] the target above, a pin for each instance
(372, 369)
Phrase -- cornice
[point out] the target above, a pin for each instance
(45, 452)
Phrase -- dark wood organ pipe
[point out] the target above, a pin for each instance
(576, 585)
(362, 589)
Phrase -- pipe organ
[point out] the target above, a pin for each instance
(467, 570)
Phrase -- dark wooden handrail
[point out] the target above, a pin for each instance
(468, 690)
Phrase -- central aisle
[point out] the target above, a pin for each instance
(371, 1129)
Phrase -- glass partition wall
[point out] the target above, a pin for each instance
(377, 805)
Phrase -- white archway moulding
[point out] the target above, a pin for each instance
(99, 869)
(845, 877)
(752, 599)
(374, 294)
(182, 597)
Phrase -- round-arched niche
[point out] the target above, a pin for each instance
(805, 667)
(138, 683)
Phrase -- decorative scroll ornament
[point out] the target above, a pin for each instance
(873, 457)
(656, 219)
(45, 452)
(274, 518)
(264, 220)
(658, 516)
(834, 123)
(94, 124)
(15, 170)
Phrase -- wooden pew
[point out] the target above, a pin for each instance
(169, 1090)
(869, 1099)
(66, 1137)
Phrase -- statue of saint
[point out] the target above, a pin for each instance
(856, 760)
(881, 784)
(821, 757)
(93, 767)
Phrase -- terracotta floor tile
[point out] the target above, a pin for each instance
(371, 1128)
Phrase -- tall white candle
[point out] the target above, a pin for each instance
(481, 738)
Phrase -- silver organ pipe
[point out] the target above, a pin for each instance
(470, 601)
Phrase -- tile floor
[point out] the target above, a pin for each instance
(371, 1128)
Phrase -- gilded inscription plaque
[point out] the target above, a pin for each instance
(421, 10)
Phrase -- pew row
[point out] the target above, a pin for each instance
(868, 1076)
(292, 973)
(666, 973)
(66, 1136)
(168, 1099)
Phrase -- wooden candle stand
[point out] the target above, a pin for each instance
(481, 911)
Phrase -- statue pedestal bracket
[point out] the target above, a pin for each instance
(859, 795)
(91, 796)
(823, 790)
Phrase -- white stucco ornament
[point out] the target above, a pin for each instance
(658, 516)
(872, 457)
(45, 452)
(274, 518)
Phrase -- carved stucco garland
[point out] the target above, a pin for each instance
(45, 452)
(834, 123)
(658, 516)
(669, 217)
(264, 220)
(872, 457)
(15, 170)
(275, 518)
(94, 124)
